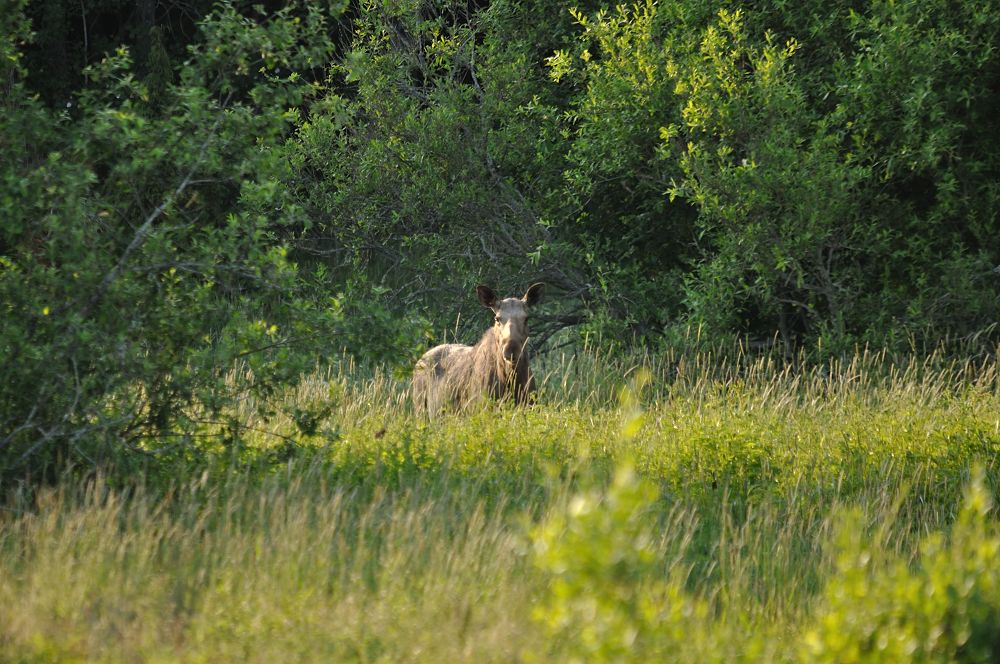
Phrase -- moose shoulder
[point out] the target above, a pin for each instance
(455, 375)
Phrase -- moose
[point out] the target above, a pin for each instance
(456, 375)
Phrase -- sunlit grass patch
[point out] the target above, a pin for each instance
(337, 525)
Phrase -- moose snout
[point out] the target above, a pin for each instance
(511, 351)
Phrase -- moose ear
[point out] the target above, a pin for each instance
(534, 294)
(487, 296)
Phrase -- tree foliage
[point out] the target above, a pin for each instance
(836, 166)
(144, 238)
(816, 173)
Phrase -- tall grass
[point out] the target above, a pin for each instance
(283, 569)
(370, 535)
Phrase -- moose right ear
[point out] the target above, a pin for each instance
(534, 294)
(487, 296)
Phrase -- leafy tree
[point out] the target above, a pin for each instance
(831, 172)
(812, 171)
(144, 243)
(425, 166)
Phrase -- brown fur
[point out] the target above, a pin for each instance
(455, 375)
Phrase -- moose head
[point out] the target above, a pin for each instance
(510, 320)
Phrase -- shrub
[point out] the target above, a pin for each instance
(943, 608)
(143, 250)
(608, 597)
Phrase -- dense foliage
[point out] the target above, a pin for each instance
(816, 172)
(189, 184)
(144, 240)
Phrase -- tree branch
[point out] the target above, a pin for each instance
(143, 232)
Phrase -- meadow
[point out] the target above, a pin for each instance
(683, 507)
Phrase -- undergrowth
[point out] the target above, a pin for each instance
(681, 507)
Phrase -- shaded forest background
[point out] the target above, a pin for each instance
(187, 186)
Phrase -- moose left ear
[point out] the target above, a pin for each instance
(487, 296)
(534, 294)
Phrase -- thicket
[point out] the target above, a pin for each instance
(145, 238)
(185, 185)
(812, 172)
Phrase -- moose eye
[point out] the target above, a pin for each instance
(496, 318)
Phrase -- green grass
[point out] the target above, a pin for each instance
(365, 534)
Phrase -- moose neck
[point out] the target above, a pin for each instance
(506, 373)
(512, 373)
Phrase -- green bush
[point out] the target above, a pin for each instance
(143, 249)
(608, 597)
(816, 172)
(944, 607)
(829, 158)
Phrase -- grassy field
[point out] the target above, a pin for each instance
(676, 508)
